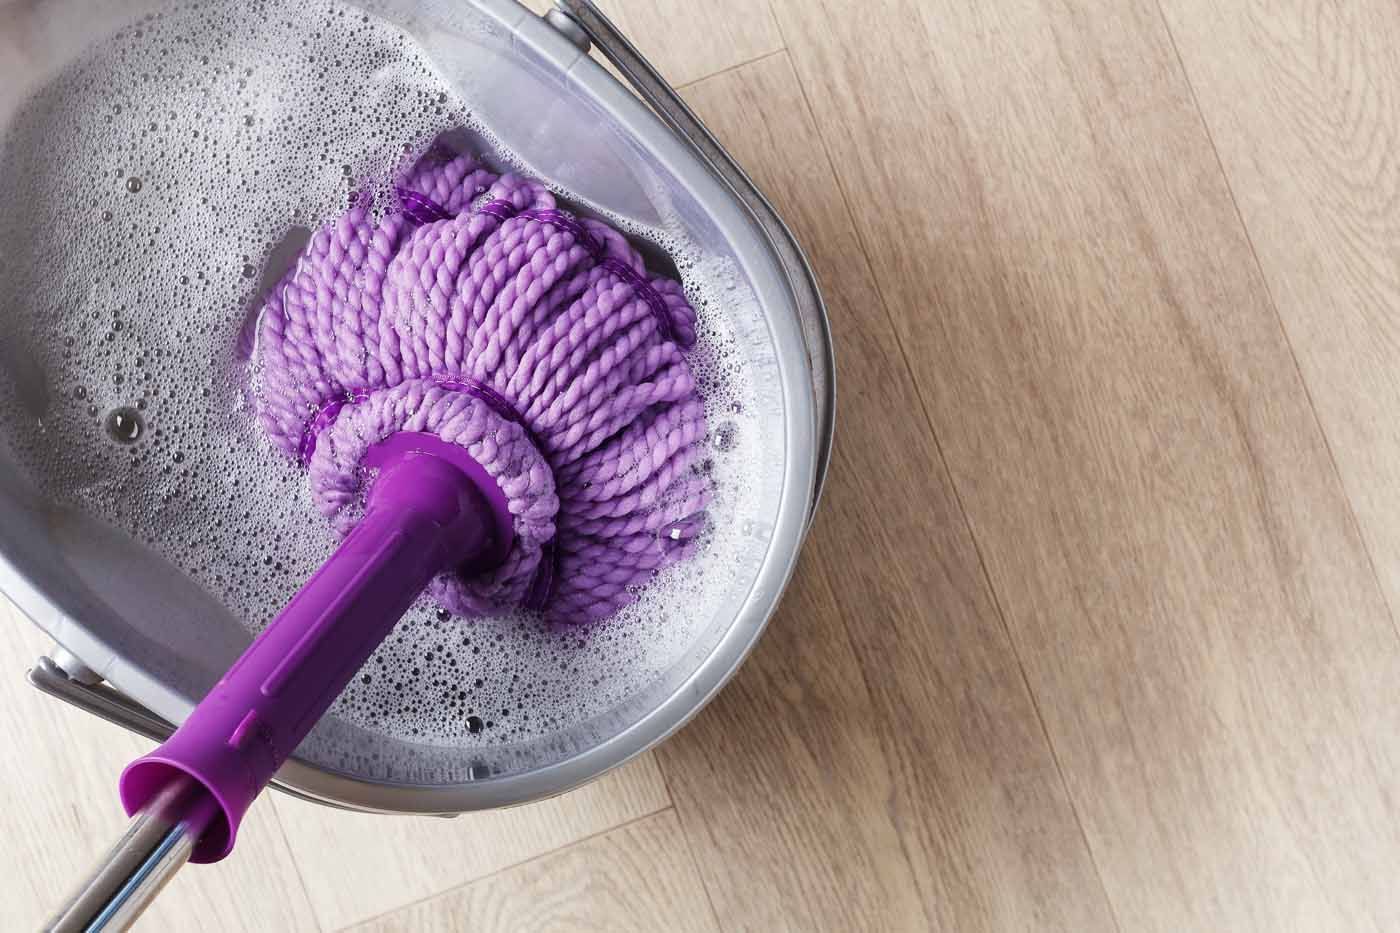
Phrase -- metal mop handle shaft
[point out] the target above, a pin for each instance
(424, 515)
(157, 842)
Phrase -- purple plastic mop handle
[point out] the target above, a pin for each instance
(424, 514)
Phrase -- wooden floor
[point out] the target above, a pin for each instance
(1097, 627)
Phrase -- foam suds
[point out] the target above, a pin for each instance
(163, 183)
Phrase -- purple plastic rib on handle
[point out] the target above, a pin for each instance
(424, 514)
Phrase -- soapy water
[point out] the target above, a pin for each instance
(168, 178)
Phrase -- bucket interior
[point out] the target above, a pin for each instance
(160, 165)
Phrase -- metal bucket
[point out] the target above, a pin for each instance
(130, 646)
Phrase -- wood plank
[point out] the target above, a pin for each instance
(357, 865)
(1300, 99)
(690, 41)
(1142, 470)
(59, 782)
(878, 763)
(640, 878)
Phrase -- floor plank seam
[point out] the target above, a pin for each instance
(1039, 716)
(957, 494)
(689, 846)
(502, 870)
(1356, 526)
(296, 865)
(726, 70)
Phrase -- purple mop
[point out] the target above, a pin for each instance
(492, 399)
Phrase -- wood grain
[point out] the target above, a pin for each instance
(1128, 659)
(357, 865)
(1135, 450)
(638, 878)
(1302, 103)
(59, 784)
(882, 766)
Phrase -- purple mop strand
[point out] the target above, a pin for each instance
(504, 210)
(623, 270)
(518, 313)
(323, 418)
(501, 210)
(421, 208)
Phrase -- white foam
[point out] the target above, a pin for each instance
(156, 178)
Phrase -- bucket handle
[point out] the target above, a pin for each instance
(572, 17)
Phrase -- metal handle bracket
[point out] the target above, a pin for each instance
(106, 702)
(100, 699)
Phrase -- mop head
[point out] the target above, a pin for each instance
(476, 310)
